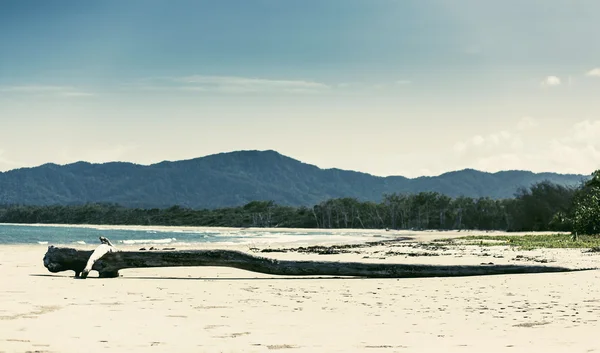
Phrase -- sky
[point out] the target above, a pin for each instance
(387, 87)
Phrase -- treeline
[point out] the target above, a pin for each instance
(542, 207)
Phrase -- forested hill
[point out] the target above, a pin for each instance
(236, 178)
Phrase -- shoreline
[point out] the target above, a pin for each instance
(186, 237)
(452, 233)
(242, 238)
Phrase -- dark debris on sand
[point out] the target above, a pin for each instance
(333, 249)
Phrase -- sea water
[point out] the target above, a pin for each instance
(162, 236)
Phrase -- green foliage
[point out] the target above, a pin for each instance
(426, 210)
(256, 214)
(528, 242)
(543, 206)
(586, 214)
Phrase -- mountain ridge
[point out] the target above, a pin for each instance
(234, 178)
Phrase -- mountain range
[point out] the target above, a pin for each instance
(236, 178)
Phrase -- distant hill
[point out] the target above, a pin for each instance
(236, 178)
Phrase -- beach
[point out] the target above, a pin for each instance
(211, 309)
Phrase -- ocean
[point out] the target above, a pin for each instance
(82, 235)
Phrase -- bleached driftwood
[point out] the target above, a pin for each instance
(104, 248)
(110, 262)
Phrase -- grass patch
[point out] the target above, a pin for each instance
(533, 241)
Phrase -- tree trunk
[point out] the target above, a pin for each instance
(65, 259)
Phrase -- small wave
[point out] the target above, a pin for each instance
(80, 242)
(148, 241)
(42, 242)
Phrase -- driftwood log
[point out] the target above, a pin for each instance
(104, 248)
(109, 264)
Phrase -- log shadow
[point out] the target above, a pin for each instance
(242, 278)
(212, 278)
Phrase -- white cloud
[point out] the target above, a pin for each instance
(62, 91)
(584, 133)
(503, 141)
(577, 150)
(239, 84)
(527, 123)
(551, 81)
(32, 89)
(460, 147)
(234, 84)
(377, 86)
(477, 140)
(497, 138)
(77, 94)
(479, 144)
(594, 72)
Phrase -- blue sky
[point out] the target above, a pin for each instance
(388, 87)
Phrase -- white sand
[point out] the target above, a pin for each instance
(228, 310)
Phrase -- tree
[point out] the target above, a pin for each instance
(539, 207)
(586, 214)
(260, 212)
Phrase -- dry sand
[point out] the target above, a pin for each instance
(229, 310)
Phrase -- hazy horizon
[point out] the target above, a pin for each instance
(387, 87)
